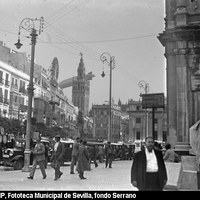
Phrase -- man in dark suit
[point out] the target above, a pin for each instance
(109, 152)
(148, 172)
(74, 159)
(57, 157)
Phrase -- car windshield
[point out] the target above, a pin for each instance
(20, 143)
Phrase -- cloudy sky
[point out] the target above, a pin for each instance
(126, 29)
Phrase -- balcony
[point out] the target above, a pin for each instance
(41, 96)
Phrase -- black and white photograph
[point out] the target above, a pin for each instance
(99, 98)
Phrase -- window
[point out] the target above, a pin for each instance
(137, 107)
(21, 100)
(16, 82)
(164, 136)
(22, 87)
(1, 95)
(155, 121)
(7, 79)
(137, 135)
(132, 107)
(138, 120)
(155, 135)
(1, 77)
(6, 96)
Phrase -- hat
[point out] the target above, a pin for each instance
(57, 136)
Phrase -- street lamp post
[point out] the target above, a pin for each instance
(145, 86)
(29, 25)
(110, 60)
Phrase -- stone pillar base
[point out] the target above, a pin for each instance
(182, 148)
(188, 174)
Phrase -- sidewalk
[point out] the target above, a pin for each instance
(98, 179)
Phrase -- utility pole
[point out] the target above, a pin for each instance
(110, 60)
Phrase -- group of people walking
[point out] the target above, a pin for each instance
(81, 157)
(148, 171)
(56, 158)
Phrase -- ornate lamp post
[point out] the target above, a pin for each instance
(29, 25)
(145, 86)
(110, 60)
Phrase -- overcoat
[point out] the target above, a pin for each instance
(138, 169)
(39, 152)
(83, 160)
(58, 155)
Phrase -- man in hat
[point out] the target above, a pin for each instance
(57, 157)
(109, 153)
(39, 159)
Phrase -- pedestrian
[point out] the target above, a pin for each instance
(57, 157)
(109, 154)
(83, 160)
(170, 155)
(148, 172)
(130, 152)
(157, 146)
(101, 153)
(93, 154)
(39, 159)
(74, 158)
(46, 154)
(123, 150)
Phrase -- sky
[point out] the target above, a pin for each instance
(126, 29)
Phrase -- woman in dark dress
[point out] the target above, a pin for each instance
(83, 160)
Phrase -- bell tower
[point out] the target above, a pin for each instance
(81, 89)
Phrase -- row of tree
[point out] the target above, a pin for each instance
(18, 128)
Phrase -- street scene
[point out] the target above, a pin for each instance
(100, 95)
(98, 179)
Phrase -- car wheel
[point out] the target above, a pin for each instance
(18, 164)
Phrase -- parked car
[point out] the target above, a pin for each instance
(14, 156)
(68, 144)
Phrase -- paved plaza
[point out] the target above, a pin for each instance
(98, 179)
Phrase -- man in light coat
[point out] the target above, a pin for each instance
(39, 159)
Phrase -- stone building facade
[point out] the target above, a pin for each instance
(141, 125)
(100, 115)
(181, 39)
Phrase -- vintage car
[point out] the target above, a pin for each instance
(13, 155)
(68, 144)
